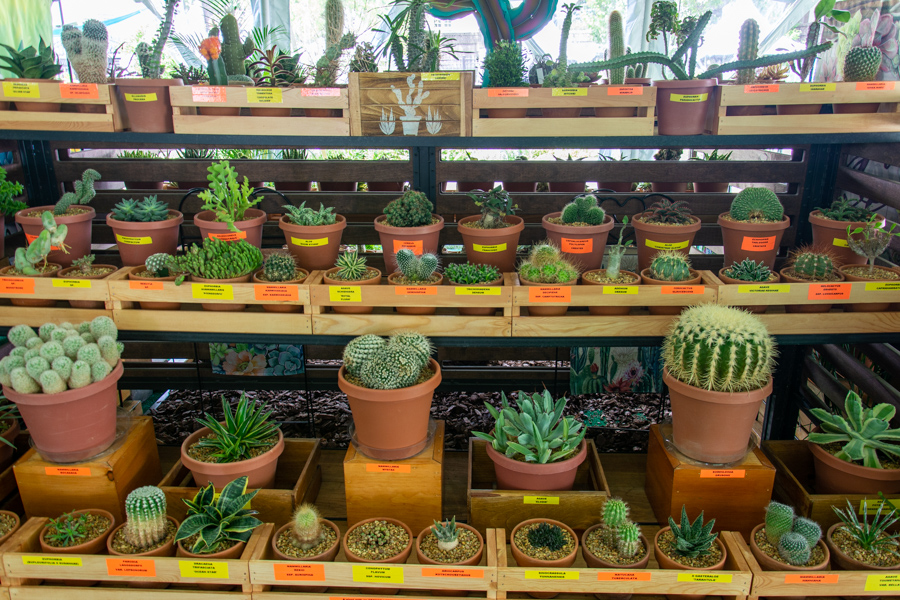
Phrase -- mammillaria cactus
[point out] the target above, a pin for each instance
(307, 527)
(756, 204)
(812, 265)
(387, 365)
(546, 264)
(412, 209)
(779, 520)
(748, 48)
(86, 49)
(447, 534)
(416, 269)
(670, 265)
(160, 264)
(145, 517)
(583, 209)
(794, 537)
(84, 192)
(615, 512)
(280, 266)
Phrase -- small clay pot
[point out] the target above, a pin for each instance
(327, 556)
(349, 309)
(758, 309)
(675, 115)
(259, 470)
(44, 107)
(251, 227)
(610, 311)
(582, 245)
(167, 549)
(480, 311)
(495, 247)
(767, 563)
(426, 237)
(147, 103)
(132, 276)
(15, 527)
(235, 552)
(646, 279)
(867, 306)
(285, 307)
(305, 242)
(517, 475)
(72, 273)
(831, 234)
(805, 308)
(836, 476)
(595, 562)
(414, 310)
(475, 559)
(845, 562)
(5, 272)
(756, 241)
(668, 563)
(523, 560)
(650, 238)
(396, 559)
(94, 546)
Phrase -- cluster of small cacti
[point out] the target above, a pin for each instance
(623, 534)
(351, 266)
(447, 534)
(812, 264)
(307, 217)
(382, 364)
(307, 527)
(749, 270)
(748, 48)
(33, 260)
(583, 209)
(145, 516)
(412, 209)
(666, 211)
(84, 192)
(219, 259)
(546, 264)
(416, 269)
(756, 203)
(670, 265)
(60, 357)
(86, 50)
(795, 537)
(147, 210)
(280, 266)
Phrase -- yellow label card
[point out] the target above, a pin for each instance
(620, 290)
(765, 288)
(541, 499)
(212, 291)
(478, 291)
(440, 76)
(883, 286)
(568, 92)
(21, 89)
(489, 248)
(207, 569)
(133, 241)
(367, 574)
(140, 97)
(872, 505)
(885, 582)
(264, 95)
(705, 577)
(309, 243)
(689, 98)
(667, 245)
(818, 87)
(345, 293)
(72, 283)
(532, 574)
(52, 561)
(840, 243)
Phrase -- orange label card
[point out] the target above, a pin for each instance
(722, 473)
(79, 91)
(683, 290)
(625, 576)
(320, 92)
(229, 236)
(550, 294)
(862, 86)
(145, 285)
(453, 573)
(828, 291)
(812, 578)
(424, 290)
(68, 471)
(387, 468)
(576, 246)
(761, 89)
(289, 293)
(758, 244)
(617, 90)
(127, 567)
(417, 246)
(507, 92)
(208, 93)
(16, 285)
(299, 572)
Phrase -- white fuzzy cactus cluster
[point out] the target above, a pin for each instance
(60, 357)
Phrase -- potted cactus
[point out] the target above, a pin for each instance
(84, 268)
(351, 269)
(280, 267)
(856, 544)
(665, 225)
(469, 275)
(547, 266)
(218, 261)
(144, 227)
(29, 66)
(378, 540)
(408, 222)
(562, 75)
(829, 228)
(449, 543)
(64, 385)
(307, 537)
(862, 63)
(615, 543)
(9, 190)
(227, 212)
(870, 240)
(580, 231)
(77, 532)
(492, 237)
(669, 267)
(416, 271)
(543, 543)
(613, 275)
(389, 386)
(703, 187)
(9, 524)
(87, 49)
(157, 268)
(753, 226)
(809, 265)
(312, 236)
(148, 530)
(749, 271)
(504, 67)
(718, 365)
(785, 542)
(616, 76)
(34, 260)
(690, 546)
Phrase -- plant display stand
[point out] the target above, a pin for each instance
(735, 495)
(50, 489)
(187, 99)
(409, 490)
(111, 116)
(411, 104)
(641, 98)
(51, 288)
(489, 507)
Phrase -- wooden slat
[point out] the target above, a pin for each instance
(448, 129)
(597, 95)
(791, 93)
(49, 91)
(292, 126)
(292, 97)
(61, 121)
(805, 124)
(529, 127)
(869, 186)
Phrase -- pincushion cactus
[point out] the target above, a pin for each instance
(307, 527)
(583, 209)
(387, 364)
(546, 264)
(145, 517)
(756, 203)
(416, 269)
(86, 49)
(793, 537)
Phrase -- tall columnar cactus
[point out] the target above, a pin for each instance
(307, 527)
(670, 265)
(386, 365)
(84, 192)
(334, 28)
(616, 46)
(145, 514)
(756, 203)
(86, 49)
(280, 266)
(583, 209)
(615, 512)
(812, 265)
(748, 48)
(234, 51)
(150, 56)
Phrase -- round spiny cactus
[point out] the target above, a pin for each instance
(81, 375)
(779, 520)
(392, 368)
(415, 340)
(145, 514)
(307, 527)
(360, 350)
(670, 265)
(862, 63)
(756, 203)
(794, 548)
(812, 265)
(280, 266)
(809, 529)
(20, 334)
(412, 209)
(615, 512)
(416, 268)
(583, 209)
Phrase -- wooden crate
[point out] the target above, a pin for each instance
(68, 95)
(128, 315)
(50, 489)
(52, 288)
(297, 480)
(736, 496)
(885, 92)
(186, 100)
(643, 98)
(489, 507)
(580, 323)
(732, 583)
(446, 111)
(446, 321)
(409, 490)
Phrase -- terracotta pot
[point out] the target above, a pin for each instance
(699, 419)
(638, 81)
(15, 527)
(219, 111)
(149, 185)
(137, 240)
(682, 106)
(327, 556)
(423, 559)
(582, 245)
(74, 425)
(520, 187)
(517, 475)
(595, 562)
(392, 424)
(668, 563)
(338, 186)
(646, 279)
(744, 111)
(235, 552)
(260, 470)
(400, 558)
(756, 241)
(147, 103)
(702, 187)
(567, 187)
(767, 563)
(94, 546)
(259, 111)
(351, 310)
(836, 476)
(313, 247)
(495, 247)
(285, 307)
(523, 560)
(798, 109)
(615, 112)
(6, 451)
(480, 311)
(424, 239)
(855, 109)
(153, 305)
(251, 227)
(44, 107)
(78, 239)
(294, 186)
(610, 311)
(561, 113)
(506, 113)
(833, 235)
(867, 306)
(167, 549)
(806, 307)
(468, 186)
(839, 558)
(5, 272)
(650, 238)
(547, 311)
(385, 186)
(323, 113)
(668, 187)
(72, 273)
(221, 307)
(620, 187)
(414, 310)
(757, 310)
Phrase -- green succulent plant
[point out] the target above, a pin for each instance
(412, 209)
(749, 270)
(33, 260)
(872, 239)
(86, 49)
(307, 217)
(547, 264)
(756, 204)
(84, 192)
(280, 266)
(692, 539)
(495, 205)
(812, 264)
(873, 537)
(670, 265)
(69, 529)
(863, 433)
(504, 65)
(469, 274)
(8, 192)
(664, 211)
(245, 428)
(147, 210)
(615, 252)
(793, 536)
(447, 534)
(547, 535)
(583, 209)
(227, 198)
(219, 520)
(843, 209)
(218, 259)
(351, 266)
(31, 62)
(306, 525)
(160, 264)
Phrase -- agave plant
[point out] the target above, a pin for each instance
(246, 428)
(863, 432)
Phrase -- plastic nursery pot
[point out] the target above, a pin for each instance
(54, 269)
(567, 187)
(73, 273)
(313, 247)
(74, 425)
(391, 424)
(137, 240)
(147, 103)
(839, 558)
(414, 310)
(652, 238)
(547, 311)
(788, 277)
(713, 427)
(611, 311)
(756, 241)
(78, 239)
(15, 527)
(758, 310)
(836, 476)
(595, 562)
(880, 274)
(234, 552)
(770, 564)
(149, 283)
(421, 240)
(287, 306)
(523, 560)
(582, 245)
(45, 107)
(349, 309)
(224, 307)
(831, 234)
(495, 247)
(646, 279)
(94, 546)
(250, 228)
(703, 187)
(682, 106)
(668, 563)
(518, 475)
(480, 311)
(399, 558)
(6, 451)
(475, 559)
(260, 470)
(668, 187)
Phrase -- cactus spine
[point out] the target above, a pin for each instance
(307, 527)
(145, 513)
(86, 49)
(234, 51)
(616, 46)
(748, 47)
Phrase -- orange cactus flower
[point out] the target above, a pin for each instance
(211, 48)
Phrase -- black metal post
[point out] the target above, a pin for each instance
(40, 176)
(782, 408)
(818, 189)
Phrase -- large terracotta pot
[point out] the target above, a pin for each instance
(611, 311)
(396, 559)
(422, 559)
(646, 279)
(235, 552)
(759, 309)
(682, 106)
(78, 239)
(517, 475)
(583, 245)
(767, 563)
(260, 470)
(221, 307)
(284, 307)
(350, 309)
(788, 277)
(495, 247)
(713, 427)
(94, 546)
(147, 103)
(25, 301)
(250, 227)
(421, 240)
(479, 311)
(523, 560)
(313, 247)
(756, 241)
(836, 476)
(833, 235)
(547, 311)
(414, 310)
(867, 306)
(137, 240)
(74, 425)
(667, 563)
(72, 273)
(651, 238)
(148, 281)
(595, 562)
(392, 424)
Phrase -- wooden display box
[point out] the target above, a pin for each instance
(641, 98)
(732, 583)
(489, 507)
(52, 288)
(280, 580)
(735, 496)
(446, 321)
(409, 490)
(129, 316)
(50, 489)
(70, 96)
(297, 480)
(579, 323)
(439, 104)
(187, 99)
(783, 94)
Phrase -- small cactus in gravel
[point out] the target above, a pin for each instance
(280, 266)
(670, 265)
(145, 516)
(447, 534)
(307, 527)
